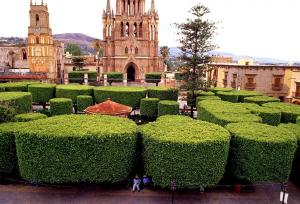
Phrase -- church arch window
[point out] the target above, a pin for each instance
(37, 40)
(128, 7)
(126, 50)
(141, 30)
(124, 7)
(37, 19)
(127, 30)
(122, 29)
(24, 54)
(136, 50)
(135, 30)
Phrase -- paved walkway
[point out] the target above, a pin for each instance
(26, 194)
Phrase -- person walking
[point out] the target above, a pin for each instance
(146, 181)
(136, 184)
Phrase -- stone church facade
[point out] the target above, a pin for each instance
(130, 39)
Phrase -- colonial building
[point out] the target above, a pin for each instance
(44, 55)
(13, 56)
(130, 39)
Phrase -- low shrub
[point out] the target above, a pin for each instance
(6, 113)
(26, 117)
(295, 128)
(72, 91)
(78, 76)
(192, 152)
(289, 112)
(298, 120)
(197, 94)
(244, 94)
(20, 101)
(17, 86)
(168, 108)
(202, 98)
(149, 107)
(114, 77)
(61, 106)
(77, 149)
(260, 100)
(153, 77)
(163, 93)
(217, 89)
(269, 116)
(84, 102)
(130, 96)
(42, 93)
(261, 152)
(228, 96)
(2, 89)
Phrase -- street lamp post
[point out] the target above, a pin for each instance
(173, 189)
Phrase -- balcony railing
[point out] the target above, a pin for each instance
(233, 84)
(277, 87)
(250, 86)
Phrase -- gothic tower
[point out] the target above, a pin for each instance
(41, 50)
(130, 39)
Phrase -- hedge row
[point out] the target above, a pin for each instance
(6, 113)
(2, 89)
(295, 128)
(84, 102)
(298, 120)
(202, 98)
(198, 93)
(17, 86)
(289, 112)
(260, 100)
(114, 77)
(130, 96)
(168, 108)
(59, 150)
(149, 107)
(61, 106)
(217, 89)
(26, 117)
(154, 77)
(78, 76)
(72, 91)
(163, 93)
(189, 151)
(20, 101)
(42, 93)
(261, 152)
(236, 96)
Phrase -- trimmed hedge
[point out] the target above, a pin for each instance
(260, 100)
(269, 116)
(61, 106)
(2, 89)
(130, 96)
(202, 98)
(20, 101)
(228, 96)
(154, 77)
(217, 89)
(72, 91)
(17, 86)
(217, 106)
(116, 77)
(168, 108)
(77, 149)
(190, 151)
(289, 112)
(42, 93)
(78, 76)
(84, 102)
(295, 128)
(261, 152)
(244, 94)
(6, 113)
(149, 107)
(8, 158)
(198, 93)
(163, 93)
(26, 117)
(298, 120)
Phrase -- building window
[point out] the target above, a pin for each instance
(250, 84)
(277, 83)
(24, 54)
(37, 40)
(225, 80)
(126, 50)
(127, 30)
(37, 19)
(136, 50)
(297, 93)
(141, 30)
(122, 29)
(234, 81)
(135, 30)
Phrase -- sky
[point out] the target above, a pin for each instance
(261, 28)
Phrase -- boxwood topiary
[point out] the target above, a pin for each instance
(42, 93)
(78, 76)
(149, 107)
(61, 106)
(26, 117)
(72, 91)
(295, 128)
(6, 113)
(217, 89)
(77, 149)
(153, 77)
(2, 89)
(194, 153)
(17, 86)
(202, 98)
(289, 112)
(261, 152)
(114, 77)
(196, 94)
(84, 102)
(260, 100)
(20, 101)
(130, 96)
(163, 93)
(298, 120)
(168, 108)
(243, 94)
(228, 96)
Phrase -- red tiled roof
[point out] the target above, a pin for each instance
(109, 108)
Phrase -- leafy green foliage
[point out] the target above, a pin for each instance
(289, 112)
(194, 153)
(149, 107)
(196, 94)
(73, 49)
(178, 76)
(84, 102)
(26, 117)
(72, 91)
(168, 108)
(20, 101)
(6, 113)
(61, 106)
(77, 149)
(130, 96)
(163, 93)
(116, 77)
(298, 120)
(78, 76)
(8, 158)
(42, 93)
(261, 152)
(220, 89)
(244, 94)
(17, 86)
(202, 98)
(153, 77)
(295, 128)
(269, 116)
(2, 89)
(260, 100)
(228, 96)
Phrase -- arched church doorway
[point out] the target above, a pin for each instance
(130, 73)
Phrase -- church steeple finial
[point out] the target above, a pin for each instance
(152, 6)
(108, 10)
